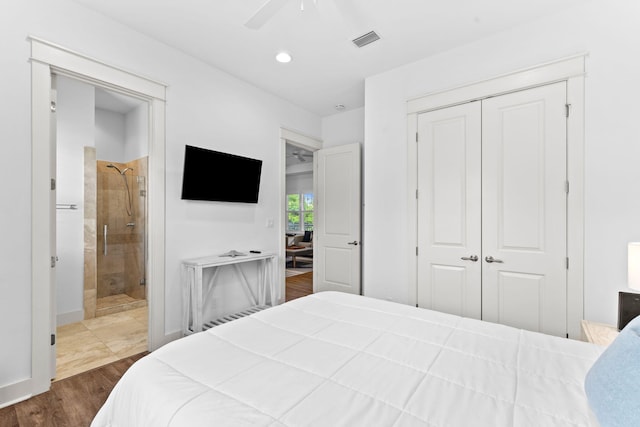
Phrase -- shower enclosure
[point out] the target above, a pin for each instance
(121, 236)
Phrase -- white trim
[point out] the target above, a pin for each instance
(549, 72)
(86, 66)
(575, 205)
(571, 70)
(173, 336)
(14, 393)
(47, 59)
(282, 224)
(69, 317)
(300, 140)
(156, 260)
(309, 143)
(412, 211)
(40, 228)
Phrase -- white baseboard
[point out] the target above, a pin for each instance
(172, 336)
(14, 393)
(70, 317)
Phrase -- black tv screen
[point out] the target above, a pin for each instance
(215, 176)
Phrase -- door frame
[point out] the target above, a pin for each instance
(570, 69)
(309, 143)
(49, 59)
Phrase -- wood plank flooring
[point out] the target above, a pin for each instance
(299, 286)
(72, 402)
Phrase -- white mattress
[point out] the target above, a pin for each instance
(334, 359)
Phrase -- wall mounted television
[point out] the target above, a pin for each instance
(222, 177)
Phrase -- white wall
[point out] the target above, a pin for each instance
(75, 130)
(205, 107)
(609, 31)
(136, 133)
(110, 136)
(343, 128)
(300, 183)
(306, 167)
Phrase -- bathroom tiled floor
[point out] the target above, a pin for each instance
(95, 342)
(117, 303)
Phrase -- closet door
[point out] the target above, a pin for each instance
(449, 155)
(524, 204)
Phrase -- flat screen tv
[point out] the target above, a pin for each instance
(215, 176)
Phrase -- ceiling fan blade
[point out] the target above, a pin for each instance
(265, 13)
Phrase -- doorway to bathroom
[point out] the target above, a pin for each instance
(101, 204)
(49, 60)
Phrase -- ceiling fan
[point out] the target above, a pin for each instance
(301, 156)
(271, 7)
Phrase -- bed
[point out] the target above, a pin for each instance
(335, 359)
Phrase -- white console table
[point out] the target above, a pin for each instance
(195, 292)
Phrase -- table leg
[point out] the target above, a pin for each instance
(273, 289)
(186, 297)
(197, 309)
(262, 290)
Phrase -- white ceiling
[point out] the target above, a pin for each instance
(116, 102)
(327, 69)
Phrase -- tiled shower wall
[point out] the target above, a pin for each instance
(121, 270)
(90, 189)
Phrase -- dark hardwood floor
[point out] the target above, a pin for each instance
(71, 402)
(299, 286)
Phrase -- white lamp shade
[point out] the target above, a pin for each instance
(634, 265)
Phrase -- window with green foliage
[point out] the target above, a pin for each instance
(299, 212)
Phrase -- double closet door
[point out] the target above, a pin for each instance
(492, 209)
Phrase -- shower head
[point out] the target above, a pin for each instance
(129, 203)
(121, 172)
(111, 165)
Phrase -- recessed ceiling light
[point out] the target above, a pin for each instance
(283, 57)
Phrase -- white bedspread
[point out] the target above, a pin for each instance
(334, 359)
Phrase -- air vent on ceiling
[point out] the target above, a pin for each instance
(365, 39)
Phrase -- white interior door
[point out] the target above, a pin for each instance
(492, 185)
(449, 185)
(337, 229)
(524, 205)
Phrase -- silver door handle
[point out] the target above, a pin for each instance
(473, 258)
(491, 259)
(105, 239)
(354, 243)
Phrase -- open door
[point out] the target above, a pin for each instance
(52, 219)
(337, 249)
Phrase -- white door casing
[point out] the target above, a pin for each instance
(571, 70)
(449, 184)
(48, 59)
(306, 142)
(337, 223)
(524, 209)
